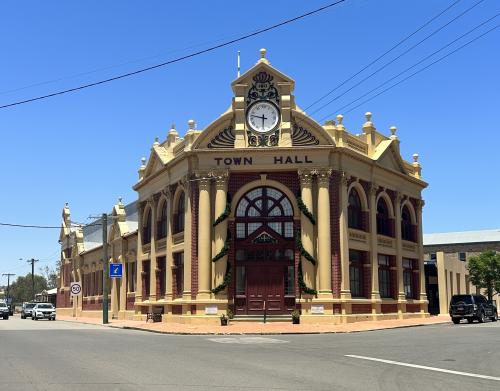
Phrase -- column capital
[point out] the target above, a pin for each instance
(398, 197)
(373, 188)
(221, 178)
(305, 177)
(323, 176)
(420, 203)
(167, 192)
(345, 178)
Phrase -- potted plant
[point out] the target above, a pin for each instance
(230, 314)
(223, 320)
(295, 317)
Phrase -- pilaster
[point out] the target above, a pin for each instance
(399, 257)
(421, 267)
(307, 228)
(220, 230)
(153, 202)
(324, 240)
(204, 239)
(375, 293)
(188, 219)
(168, 255)
(345, 288)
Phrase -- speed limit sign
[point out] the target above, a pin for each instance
(76, 289)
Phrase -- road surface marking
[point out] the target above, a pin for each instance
(246, 340)
(424, 367)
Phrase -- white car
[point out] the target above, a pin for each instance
(43, 311)
(4, 310)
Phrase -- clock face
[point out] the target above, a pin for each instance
(263, 116)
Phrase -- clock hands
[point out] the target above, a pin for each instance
(263, 118)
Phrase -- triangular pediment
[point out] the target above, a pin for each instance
(263, 66)
(387, 156)
(154, 165)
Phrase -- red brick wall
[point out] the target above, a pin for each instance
(412, 307)
(361, 308)
(63, 299)
(367, 275)
(389, 308)
(334, 189)
(194, 240)
(130, 303)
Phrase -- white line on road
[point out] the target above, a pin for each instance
(403, 364)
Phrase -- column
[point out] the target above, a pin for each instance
(399, 256)
(324, 239)
(345, 286)
(442, 283)
(152, 249)
(188, 219)
(114, 287)
(204, 242)
(169, 257)
(307, 228)
(421, 267)
(375, 295)
(124, 279)
(220, 230)
(138, 289)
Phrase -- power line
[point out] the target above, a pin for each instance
(423, 69)
(413, 66)
(178, 59)
(382, 55)
(44, 226)
(396, 58)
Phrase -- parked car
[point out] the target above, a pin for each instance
(472, 307)
(4, 310)
(26, 310)
(43, 311)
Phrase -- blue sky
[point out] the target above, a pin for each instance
(85, 148)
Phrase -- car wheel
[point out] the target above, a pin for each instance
(482, 318)
(5, 317)
(494, 318)
(23, 317)
(456, 320)
(470, 320)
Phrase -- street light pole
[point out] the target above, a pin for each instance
(106, 268)
(32, 261)
(8, 282)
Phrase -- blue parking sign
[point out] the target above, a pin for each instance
(115, 270)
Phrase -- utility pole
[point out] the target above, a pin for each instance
(106, 268)
(32, 261)
(8, 283)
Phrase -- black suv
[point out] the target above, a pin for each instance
(472, 307)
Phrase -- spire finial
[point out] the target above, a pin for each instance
(368, 116)
(157, 141)
(393, 130)
(340, 118)
(415, 158)
(143, 161)
(120, 200)
(263, 53)
(191, 124)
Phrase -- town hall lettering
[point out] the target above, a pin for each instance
(248, 161)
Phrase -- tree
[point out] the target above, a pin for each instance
(21, 289)
(484, 272)
(50, 275)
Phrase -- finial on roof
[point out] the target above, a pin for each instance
(415, 158)
(191, 124)
(157, 141)
(393, 130)
(119, 200)
(340, 119)
(173, 126)
(66, 205)
(143, 161)
(263, 58)
(368, 116)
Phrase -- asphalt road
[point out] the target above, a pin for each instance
(60, 355)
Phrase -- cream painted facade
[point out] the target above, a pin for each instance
(255, 217)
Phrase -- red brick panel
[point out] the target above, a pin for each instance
(412, 307)
(389, 308)
(367, 275)
(194, 240)
(361, 308)
(334, 189)
(129, 305)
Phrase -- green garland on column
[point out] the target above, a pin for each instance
(302, 250)
(302, 285)
(225, 282)
(224, 250)
(226, 212)
(304, 210)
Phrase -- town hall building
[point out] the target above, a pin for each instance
(263, 211)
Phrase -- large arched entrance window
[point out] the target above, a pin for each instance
(354, 210)
(265, 251)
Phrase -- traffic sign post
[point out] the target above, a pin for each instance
(76, 289)
(115, 270)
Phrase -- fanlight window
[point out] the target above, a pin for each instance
(264, 206)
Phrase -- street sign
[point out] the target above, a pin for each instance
(76, 288)
(115, 270)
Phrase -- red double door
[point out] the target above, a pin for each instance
(265, 289)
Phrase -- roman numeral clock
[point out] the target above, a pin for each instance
(263, 114)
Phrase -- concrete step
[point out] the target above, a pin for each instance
(260, 318)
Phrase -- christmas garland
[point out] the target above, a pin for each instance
(224, 250)
(302, 285)
(225, 282)
(225, 214)
(303, 251)
(303, 209)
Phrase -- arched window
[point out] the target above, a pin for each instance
(264, 206)
(406, 226)
(383, 227)
(161, 229)
(179, 215)
(355, 219)
(146, 228)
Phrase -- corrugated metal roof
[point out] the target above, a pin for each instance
(492, 235)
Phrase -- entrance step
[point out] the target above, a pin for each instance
(260, 318)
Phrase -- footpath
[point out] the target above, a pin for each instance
(259, 328)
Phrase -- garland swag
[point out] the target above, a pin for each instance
(225, 282)
(304, 210)
(226, 212)
(303, 251)
(224, 250)
(302, 285)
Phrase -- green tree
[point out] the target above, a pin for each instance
(21, 289)
(484, 272)
(50, 275)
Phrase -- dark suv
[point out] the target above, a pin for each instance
(472, 307)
